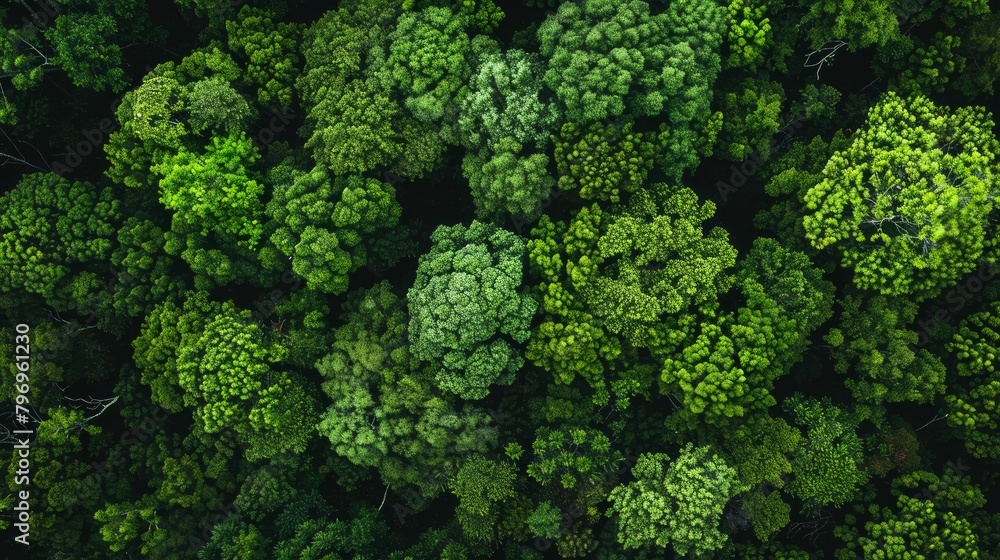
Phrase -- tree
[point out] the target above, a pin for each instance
(353, 123)
(977, 48)
(758, 449)
(215, 105)
(786, 300)
(147, 274)
(83, 39)
(271, 53)
(827, 465)
(155, 117)
(603, 162)
(677, 502)
(860, 24)
(386, 410)
(915, 67)
(974, 398)
(427, 65)
(481, 485)
(504, 181)
(873, 342)
(234, 538)
(506, 100)
(707, 376)
(907, 202)
(609, 59)
(364, 116)
(57, 236)
(616, 278)
(918, 529)
(485, 15)
(574, 457)
(544, 521)
(215, 191)
(468, 311)
(83, 51)
(217, 225)
(308, 530)
(754, 117)
(749, 33)
(505, 123)
(327, 226)
(169, 327)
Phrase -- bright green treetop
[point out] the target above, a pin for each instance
(907, 203)
(919, 529)
(215, 191)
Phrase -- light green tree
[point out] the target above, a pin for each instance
(908, 202)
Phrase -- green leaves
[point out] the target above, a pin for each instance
(573, 458)
(827, 465)
(84, 52)
(874, 342)
(481, 485)
(427, 64)
(503, 181)
(919, 528)
(974, 399)
(602, 162)
(468, 313)
(612, 278)
(749, 33)
(752, 118)
(609, 59)
(386, 411)
(271, 51)
(506, 100)
(906, 203)
(215, 191)
(52, 232)
(325, 226)
(677, 503)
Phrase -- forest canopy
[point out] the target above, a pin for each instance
(486, 279)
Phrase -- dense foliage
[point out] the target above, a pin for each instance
(485, 279)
